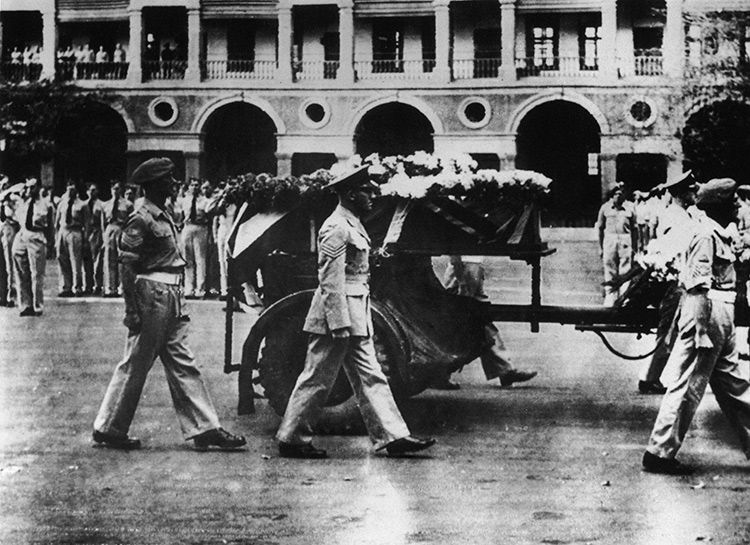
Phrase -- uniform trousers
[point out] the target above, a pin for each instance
(30, 261)
(495, 362)
(70, 258)
(110, 253)
(195, 250)
(163, 333)
(694, 369)
(617, 253)
(93, 261)
(325, 357)
(222, 238)
(8, 233)
(666, 332)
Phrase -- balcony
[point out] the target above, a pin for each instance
(384, 70)
(69, 71)
(164, 70)
(476, 68)
(315, 70)
(238, 69)
(557, 67)
(17, 72)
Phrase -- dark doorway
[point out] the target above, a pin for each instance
(393, 129)
(716, 142)
(90, 147)
(307, 163)
(558, 139)
(641, 171)
(486, 161)
(239, 138)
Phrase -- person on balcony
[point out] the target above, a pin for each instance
(167, 61)
(102, 60)
(617, 232)
(118, 58)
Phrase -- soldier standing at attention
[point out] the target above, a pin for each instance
(8, 231)
(115, 213)
(71, 223)
(155, 317)
(705, 351)
(193, 207)
(617, 230)
(93, 257)
(34, 215)
(340, 327)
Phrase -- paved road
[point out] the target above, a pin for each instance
(557, 461)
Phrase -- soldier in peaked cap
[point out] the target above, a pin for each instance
(151, 274)
(340, 327)
(705, 350)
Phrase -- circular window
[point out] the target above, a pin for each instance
(641, 112)
(474, 112)
(163, 111)
(314, 113)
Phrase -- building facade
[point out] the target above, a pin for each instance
(585, 91)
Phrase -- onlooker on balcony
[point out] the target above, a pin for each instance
(167, 60)
(102, 60)
(118, 59)
(16, 56)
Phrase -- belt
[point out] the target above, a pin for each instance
(725, 296)
(173, 279)
(357, 278)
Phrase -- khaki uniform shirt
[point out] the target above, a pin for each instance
(119, 216)
(80, 214)
(616, 221)
(40, 215)
(710, 257)
(202, 205)
(343, 297)
(149, 241)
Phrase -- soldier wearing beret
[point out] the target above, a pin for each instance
(151, 273)
(705, 351)
(340, 327)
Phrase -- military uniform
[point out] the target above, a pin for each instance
(155, 316)
(342, 300)
(93, 257)
(71, 223)
(618, 227)
(30, 251)
(194, 210)
(8, 231)
(115, 213)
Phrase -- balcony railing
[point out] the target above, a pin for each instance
(166, 70)
(556, 67)
(238, 69)
(412, 69)
(476, 68)
(315, 70)
(16, 71)
(91, 70)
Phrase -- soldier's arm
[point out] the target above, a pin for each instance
(131, 244)
(332, 277)
(698, 282)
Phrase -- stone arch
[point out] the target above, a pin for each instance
(576, 98)
(120, 109)
(418, 104)
(205, 113)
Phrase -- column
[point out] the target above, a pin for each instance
(608, 53)
(49, 44)
(674, 39)
(193, 164)
(283, 164)
(193, 72)
(135, 54)
(284, 54)
(607, 172)
(508, 37)
(346, 42)
(442, 40)
(674, 165)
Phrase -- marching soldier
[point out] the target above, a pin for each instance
(617, 231)
(152, 267)
(71, 224)
(340, 327)
(34, 215)
(115, 213)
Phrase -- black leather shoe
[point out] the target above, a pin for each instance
(28, 311)
(666, 466)
(219, 439)
(647, 387)
(288, 450)
(516, 376)
(405, 445)
(116, 441)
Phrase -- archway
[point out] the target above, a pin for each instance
(239, 138)
(716, 141)
(557, 139)
(393, 129)
(90, 147)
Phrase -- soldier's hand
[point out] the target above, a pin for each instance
(341, 333)
(133, 322)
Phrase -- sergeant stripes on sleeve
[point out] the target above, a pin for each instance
(333, 243)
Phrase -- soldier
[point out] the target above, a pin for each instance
(155, 315)
(71, 222)
(8, 231)
(115, 214)
(676, 226)
(194, 210)
(617, 230)
(34, 215)
(340, 327)
(705, 350)
(93, 257)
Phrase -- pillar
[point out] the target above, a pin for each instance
(49, 44)
(47, 173)
(442, 40)
(674, 165)
(346, 42)
(608, 54)
(135, 54)
(193, 72)
(193, 165)
(285, 43)
(283, 164)
(674, 39)
(508, 37)
(607, 172)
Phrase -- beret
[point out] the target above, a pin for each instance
(152, 170)
(357, 178)
(680, 183)
(716, 191)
